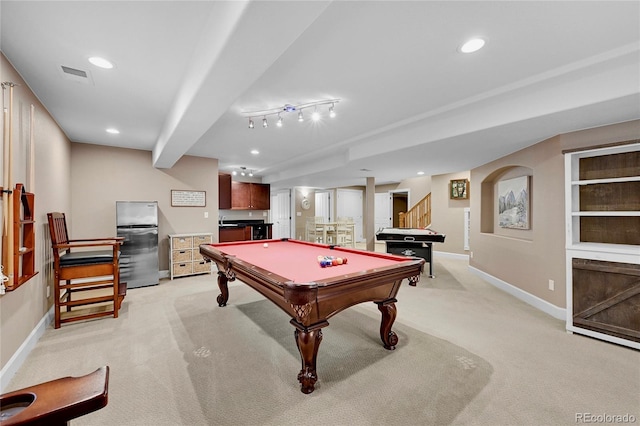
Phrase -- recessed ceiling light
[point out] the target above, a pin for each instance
(472, 45)
(113, 131)
(255, 152)
(420, 173)
(100, 62)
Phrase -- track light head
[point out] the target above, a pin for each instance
(332, 111)
(250, 123)
(279, 122)
(264, 122)
(316, 115)
(300, 117)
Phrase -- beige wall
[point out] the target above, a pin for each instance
(447, 216)
(418, 188)
(102, 175)
(23, 308)
(528, 259)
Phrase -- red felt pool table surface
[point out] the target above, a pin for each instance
(298, 260)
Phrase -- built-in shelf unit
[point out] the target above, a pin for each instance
(602, 196)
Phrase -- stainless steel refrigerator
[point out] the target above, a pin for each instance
(137, 222)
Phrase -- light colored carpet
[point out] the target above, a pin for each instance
(243, 363)
(176, 358)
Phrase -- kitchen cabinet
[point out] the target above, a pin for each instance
(234, 233)
(234, 195)
(244, 232)
(250, 196)
(224, 191)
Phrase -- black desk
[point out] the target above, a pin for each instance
(411, 242)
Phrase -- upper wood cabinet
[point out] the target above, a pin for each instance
(242, 195)
(250, 196)
(224, 191)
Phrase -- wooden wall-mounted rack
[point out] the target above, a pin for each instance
(19, 262)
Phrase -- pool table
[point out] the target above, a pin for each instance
(289, 274)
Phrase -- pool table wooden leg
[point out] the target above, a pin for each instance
(388, 310)
(223, 297)
(308, 341)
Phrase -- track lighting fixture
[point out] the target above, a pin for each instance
(242, 171)
(289, 108)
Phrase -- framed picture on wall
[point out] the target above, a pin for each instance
(187, 198)
(513, 203)
(459, 189)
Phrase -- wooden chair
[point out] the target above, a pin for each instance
(56, 402)
(80, 269)
(345, 232)
(314, 229)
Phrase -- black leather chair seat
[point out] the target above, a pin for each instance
(86, 258)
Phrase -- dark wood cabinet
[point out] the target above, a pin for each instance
(224, 191)
(234, 195)
(232, 234)
(250, 196)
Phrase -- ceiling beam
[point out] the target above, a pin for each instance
(227, 60)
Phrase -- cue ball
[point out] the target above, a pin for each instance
(265, 245)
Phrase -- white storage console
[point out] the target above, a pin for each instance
(184, 254)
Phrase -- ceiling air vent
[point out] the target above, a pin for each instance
(73, 71)
(75, 74)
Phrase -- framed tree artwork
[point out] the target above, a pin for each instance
(459, 189)
(513, 203)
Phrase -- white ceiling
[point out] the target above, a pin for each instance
(185, 71)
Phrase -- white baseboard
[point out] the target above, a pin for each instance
(535, 301)
(450, 255)
(18, 358)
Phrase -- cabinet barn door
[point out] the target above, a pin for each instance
(606, 297)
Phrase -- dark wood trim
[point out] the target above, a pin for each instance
(604, 145)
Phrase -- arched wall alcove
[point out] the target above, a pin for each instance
(489, 201)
